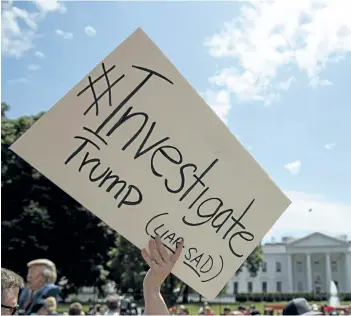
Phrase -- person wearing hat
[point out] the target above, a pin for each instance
(298, 306)
(181, 310)
(243, 310)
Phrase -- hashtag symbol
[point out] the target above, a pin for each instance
(108, 90)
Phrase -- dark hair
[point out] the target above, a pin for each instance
(98, 308)
(75, 309)
(10, 280)
(112, 303)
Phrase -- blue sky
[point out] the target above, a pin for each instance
(278, 75)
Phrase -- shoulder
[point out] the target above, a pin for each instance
(51, 290)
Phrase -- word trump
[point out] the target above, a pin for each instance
(208, 209)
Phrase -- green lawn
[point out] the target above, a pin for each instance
(217, 308)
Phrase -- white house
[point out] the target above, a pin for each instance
(300, 265)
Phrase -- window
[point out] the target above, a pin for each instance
(299, 266)
(334, 266)
(236, 287)
(278, 266)
(300, 286)
(264, 266)
(264, 287)
(249, 287)
(279, 286)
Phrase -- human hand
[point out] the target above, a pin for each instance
(160, 262)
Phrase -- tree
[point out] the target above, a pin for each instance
(40, 220)
(128, 269)
(253, 262)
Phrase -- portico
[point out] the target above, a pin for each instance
(312, 272)
(306, 264)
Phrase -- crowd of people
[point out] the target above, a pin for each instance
(39, 295)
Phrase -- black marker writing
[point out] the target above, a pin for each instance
(190, 184)
(205, 266)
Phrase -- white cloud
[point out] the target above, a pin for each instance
(33, 67)
(293, 167)
(219, 102)
(329, 146)
(39, 54)
(19, 26)
(269, 35)
(65, 35)
(285, 85)
(331, 218)
(50, 5)
(17, 80)
(90, 31)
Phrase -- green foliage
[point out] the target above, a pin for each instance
(127, 266)
(39, 220)
(128, 269)
(253, 262)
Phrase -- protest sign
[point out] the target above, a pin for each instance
(136, 145)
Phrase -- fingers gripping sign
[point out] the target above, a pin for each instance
(160, 262)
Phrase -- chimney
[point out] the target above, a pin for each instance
(343, 237)
(286, 239)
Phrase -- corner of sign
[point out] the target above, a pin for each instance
(11, 147)
(210, 297)
(139, 29)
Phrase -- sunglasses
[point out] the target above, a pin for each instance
(13, 309)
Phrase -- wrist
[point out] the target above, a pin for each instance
(151, 289)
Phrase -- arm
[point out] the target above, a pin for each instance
(161, 265)
(154, 303)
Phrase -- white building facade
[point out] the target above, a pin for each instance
(306, 264)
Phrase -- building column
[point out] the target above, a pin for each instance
(290, 274)
(309, 273)
(328, 272)
(348, 271)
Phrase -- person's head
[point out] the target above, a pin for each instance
(40, 272)
(182, 310)
(315, 307)
(97, 308)
(241, 308)
(112, 303)
(208, 310)
(226, 311)
(298, 306)
(11, 283)
(50, 305)
(75, 309)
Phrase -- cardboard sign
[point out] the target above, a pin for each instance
(136, 145)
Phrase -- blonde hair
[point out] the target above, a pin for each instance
(49, 272)
(50, 304)
(10, 280)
